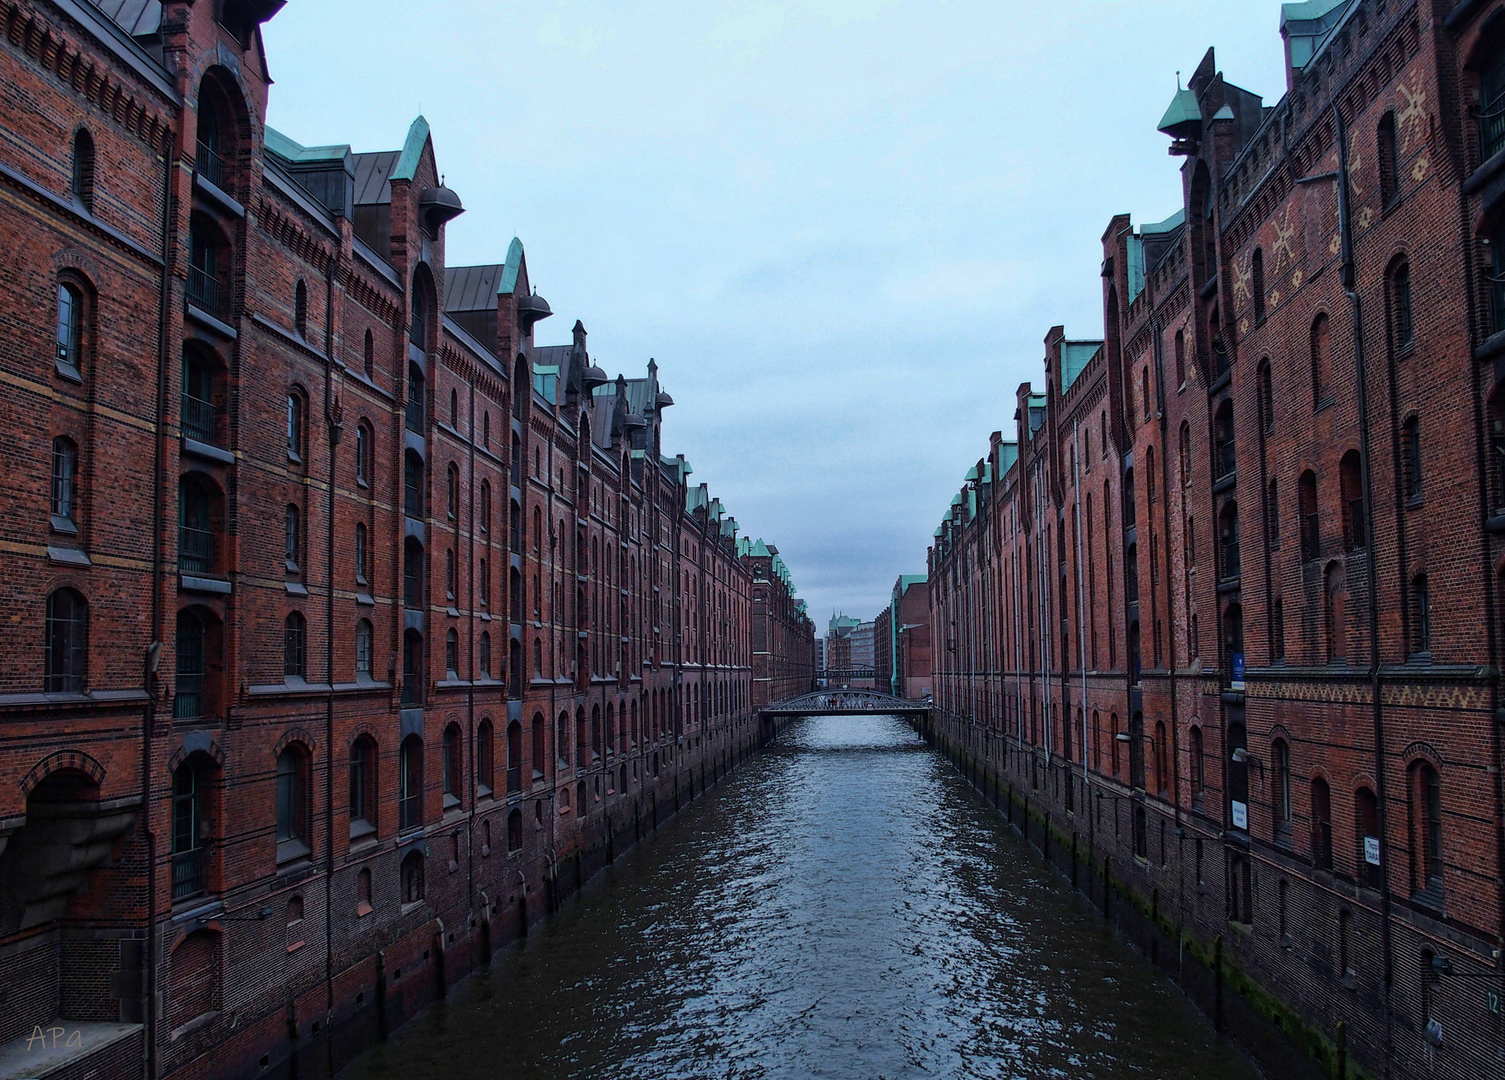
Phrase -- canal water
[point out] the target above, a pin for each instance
(842, 906)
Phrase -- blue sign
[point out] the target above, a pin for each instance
(1237, 666)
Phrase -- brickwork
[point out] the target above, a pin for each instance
(1214, 608)
(350, 629)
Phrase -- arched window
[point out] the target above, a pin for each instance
(368, 356)
(1277, 631)
(64, 484)
(1491, 107)
(209, 161)
(454, 409)
(294, 646)
(412, 484)
(1149, 474)
(363, 787)
(1225, 459)
(292, 537)
(514, 756)
(194, 979)
(452, 491)
(1185, 454)
(515, 669)
(412, 668)
(1425, 792)
(484, 647)
(1228, 542)
(539, 747)
(300, 308)
(1198, 767)
(1306, 493)
(360, 555)
(410, 783)
(363, 441)
(1280, 788)
(451, 654)
(412, 878)
(1367, 835)
(1420, 617)
(562, 739)
(1128, 499)
(1402, 323)
(450, 578)
(1180, 367)
(1321, 350)
(190, 686)
(1162, 750)
(363, 649)
(1257, 283)
(1389, 160)
(486, 429)
(414, 411)
(295, 426)
(1322, 825)
(418, 326)
(190, 827)
(292, 802)
(1410, 458)
(453, 742)
(1335, 603)
(1144, 391)
(412, 574)
(83, 169)
(363, 905)
(70, 329)
(485, 506)
(515, 830)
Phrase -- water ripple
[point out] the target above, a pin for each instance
(842, 907)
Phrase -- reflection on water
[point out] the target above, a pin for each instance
(842, 906)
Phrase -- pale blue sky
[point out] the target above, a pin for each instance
(842, 227)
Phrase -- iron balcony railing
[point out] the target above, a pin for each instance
(188, 696)
(195, 550)
(1356, 523)
(413, 415)
(210, 165)
(203, 290)
(200, 419)
(188, 873)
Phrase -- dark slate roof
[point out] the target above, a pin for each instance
(554, 354)
(139, 18)
(371, 172)
(472, 288)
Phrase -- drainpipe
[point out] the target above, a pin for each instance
(154, 651)
(1081, 599)
(1350, 287)
(333, 416)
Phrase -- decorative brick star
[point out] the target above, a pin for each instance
(1366, 217)
(1297, 278)
(1412, 119)
(1419, 170)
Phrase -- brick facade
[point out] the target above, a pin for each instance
(349, 628)
(1224, 606)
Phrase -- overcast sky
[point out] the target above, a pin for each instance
(842, 227)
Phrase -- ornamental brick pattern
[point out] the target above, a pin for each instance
(1224, 605)
(347, 628)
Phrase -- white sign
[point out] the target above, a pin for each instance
(1240, 815)
(1372, 850)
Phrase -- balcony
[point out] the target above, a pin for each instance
(412, 415)
(514, 779)
(200, 420)
(188, 696)
(195, 550)
(204, 291)
(208, 164)
(188, 873)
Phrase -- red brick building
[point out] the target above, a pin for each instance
(349, 627)
(783, 635)
(1220, 618)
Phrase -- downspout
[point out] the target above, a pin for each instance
(1081, 599)
(1345, 234)
(333, 416)
(470, 693)
(159, 470)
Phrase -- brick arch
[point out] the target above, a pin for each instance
(184, 752)
(80, 262)
(75, 760)
(295, 735)
(1278, 731)
(1421, 750)
(1362, 780)
(365, 727)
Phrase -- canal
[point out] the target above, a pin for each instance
(842, 906)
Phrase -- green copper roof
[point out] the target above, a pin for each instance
(412, 149)
(971, 475)
(940, 531)
(956, 500)
(284, 147)
(511, 267)
(760, 549)
(1008, 453)
(1075, 356)
(1183, 110)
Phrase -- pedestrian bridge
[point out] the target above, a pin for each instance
(847, 703)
